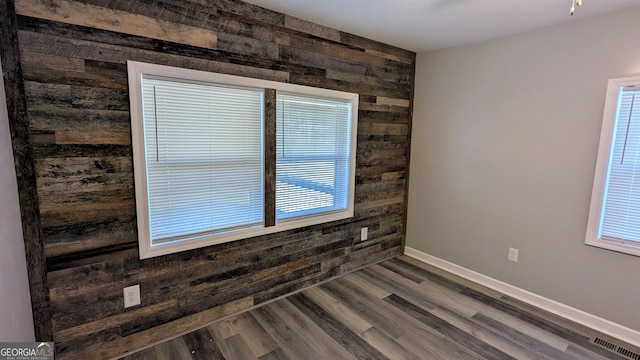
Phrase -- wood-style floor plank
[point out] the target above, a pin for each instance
(174, 349)
(398, 309)
(499, 342)
(291, 343)
(202, 345)
(386, 345)
(238, 349)
(310, 330)
(277, 354)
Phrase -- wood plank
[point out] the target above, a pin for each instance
(295, 282)
(367, 80)
(384, 207)
(303, 26)
(79, 238)
(377, 107)
(277, 354)
(219, 16)
(326, 48)
(43, 75)
(85, 212)
(476, 345)
(338, 310)
(382, 317)
(401, 59)
(580, 353)
(269, 157)
(51, 117)
(58, 95)
(239, 349)
(388, 346)
(86, 183)
(361, 258)
(354, 344)
(174, 349)
(98, 137)
(253, 13)
(245, 325)
(406, 331)
(367, 44)
(53, 28)
(517, 313)
(56, 45)
(403, 75)
(148, 354)
(56, 168)
(310, 331)
(441, 274)
(77, 13)
(381, 100)
(275, 271)
(202, 347)
(539, 322)
(248, 46)
(382, 159)
(553, 318)
(290, 342)
(32, 60)
(540, 349)
(320, 80)
(298, 56)
(402, 266)
(435, 296)
(383, 129)
(86, 330)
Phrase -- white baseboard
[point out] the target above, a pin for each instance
(617, 331)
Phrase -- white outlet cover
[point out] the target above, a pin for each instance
(131, 296)
(513, 255)
(364, 233)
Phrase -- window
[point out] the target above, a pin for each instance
(201, 149)
(312, 155)
(614, 217)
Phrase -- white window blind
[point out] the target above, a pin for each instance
(312, 155)
(621, 201)
(204, 158)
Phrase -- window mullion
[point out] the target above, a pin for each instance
(269, 157)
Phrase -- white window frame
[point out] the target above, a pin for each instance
(136, 70)
(607, 135)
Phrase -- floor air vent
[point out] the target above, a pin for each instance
(617, 349)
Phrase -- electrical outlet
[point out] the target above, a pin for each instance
(513, 254)
(132, 296)
(364, 233)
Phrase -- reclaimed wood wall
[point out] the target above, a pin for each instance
(64, 66)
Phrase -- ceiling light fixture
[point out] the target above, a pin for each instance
(574, 3)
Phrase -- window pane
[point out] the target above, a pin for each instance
(312, 145)
(204, 158)
(621, 210)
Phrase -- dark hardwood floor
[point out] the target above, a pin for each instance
(398, 309)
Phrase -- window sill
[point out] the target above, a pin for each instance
(148, 251)
(625, 248)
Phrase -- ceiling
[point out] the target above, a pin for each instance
(423, 25)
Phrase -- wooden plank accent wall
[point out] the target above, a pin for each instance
(25, 172)
(66, 79)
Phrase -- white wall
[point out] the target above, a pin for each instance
(16, 319)
(505, 137)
